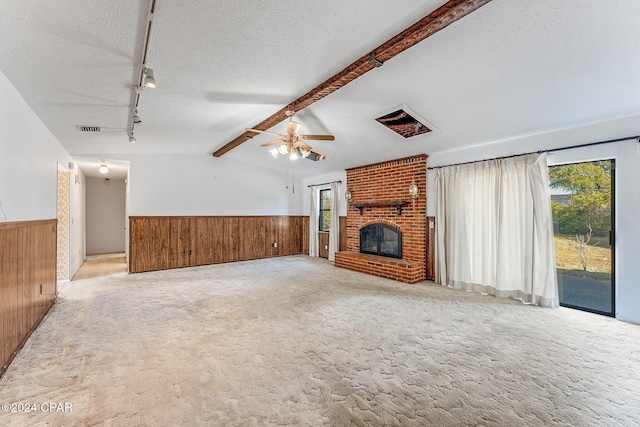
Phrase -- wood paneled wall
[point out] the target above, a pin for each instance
(323, 238)
(431, 247)
(27, 281)
(343, 233)
(158, 243)
(323, 244)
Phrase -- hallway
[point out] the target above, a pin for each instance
(101, 265)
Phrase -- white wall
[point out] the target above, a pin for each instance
(627, 193)
(105, 216)
(29, 156)
(338, 176)
(200, 184)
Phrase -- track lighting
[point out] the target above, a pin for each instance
(103, 168)
(149, 80)
(145, 77)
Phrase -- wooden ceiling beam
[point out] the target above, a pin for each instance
(440, 18)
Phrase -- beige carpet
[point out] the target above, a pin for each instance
(296, 341)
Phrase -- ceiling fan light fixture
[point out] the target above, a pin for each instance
(149, 80)
(292, 144)
(293, 127)
(103, 168)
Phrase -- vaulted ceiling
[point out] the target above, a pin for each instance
(509, 69)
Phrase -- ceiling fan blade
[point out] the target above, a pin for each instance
(304, 145)
(318, 137)
(264, 131)
(271, 142)
(316, 156)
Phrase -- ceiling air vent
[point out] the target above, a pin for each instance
(89, 128)
(404, 122)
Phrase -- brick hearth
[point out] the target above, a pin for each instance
(391, 268)
(388, 182)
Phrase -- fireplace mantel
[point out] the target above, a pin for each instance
(397, 205)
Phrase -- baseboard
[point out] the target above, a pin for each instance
(628, 320)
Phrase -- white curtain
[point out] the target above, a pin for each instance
(313, 222)
(494, 232)
(334, 224)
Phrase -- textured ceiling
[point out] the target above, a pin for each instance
(510, 69)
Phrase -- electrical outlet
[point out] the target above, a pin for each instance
(326, 246)
(274, 244)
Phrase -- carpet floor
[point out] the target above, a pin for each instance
(295, 341)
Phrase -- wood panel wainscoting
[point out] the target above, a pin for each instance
(163, 242)
(323, 239)
(27, 281)
(431, 247)
(159, 243)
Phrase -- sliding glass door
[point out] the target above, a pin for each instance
(582, 203)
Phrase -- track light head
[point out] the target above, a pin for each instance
(149, 80)
(136, 118)
(132, 139)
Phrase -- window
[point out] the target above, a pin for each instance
(324, 218)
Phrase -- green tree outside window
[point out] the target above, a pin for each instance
(324, 223)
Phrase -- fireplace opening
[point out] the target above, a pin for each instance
(381, 239)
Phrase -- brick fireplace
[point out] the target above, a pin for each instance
(380, 195)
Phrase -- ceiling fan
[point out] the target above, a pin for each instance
(293, 144)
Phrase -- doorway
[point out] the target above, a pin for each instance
(582, 201)
(105, 216)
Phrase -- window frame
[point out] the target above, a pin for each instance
(322, 209)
